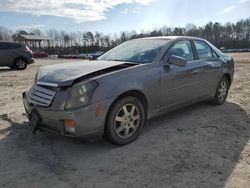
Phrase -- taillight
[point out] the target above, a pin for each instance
(28, 50)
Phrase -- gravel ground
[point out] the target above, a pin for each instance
(241, 57)
(198, 146)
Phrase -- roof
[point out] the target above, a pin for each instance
(174, 37)
(32, 37)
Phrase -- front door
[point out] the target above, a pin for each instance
(180, 84)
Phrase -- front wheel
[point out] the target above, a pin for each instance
(20, 64)
(125, 121)
(221, 92)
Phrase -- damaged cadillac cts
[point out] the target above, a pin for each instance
(133, 82)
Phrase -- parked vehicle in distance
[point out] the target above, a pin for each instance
(90, 56)
(40, 54)
(133, 82)
(14, 55)
(94, 56)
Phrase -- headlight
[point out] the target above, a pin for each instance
(80, 95)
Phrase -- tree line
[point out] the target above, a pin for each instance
(228, 35)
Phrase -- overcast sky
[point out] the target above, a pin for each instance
(111, 16)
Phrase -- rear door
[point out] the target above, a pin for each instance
(211, 66)
(180, 84)
(2, 53)
(6, 57)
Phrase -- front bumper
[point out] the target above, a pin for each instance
(88, 122)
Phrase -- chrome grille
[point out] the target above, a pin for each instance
(40, 96)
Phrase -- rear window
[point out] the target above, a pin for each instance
(203, 50)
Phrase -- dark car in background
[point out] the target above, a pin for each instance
(14, 55)
(135, 81)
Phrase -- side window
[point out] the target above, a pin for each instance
(182, 49)
(214, 54)
(9, 46)
(203, 50)
(15, 46)
(3, 46)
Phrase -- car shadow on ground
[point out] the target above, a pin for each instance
(198, 146)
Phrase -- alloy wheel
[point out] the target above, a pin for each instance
(127, 121)
(20, 64)
(222, 91)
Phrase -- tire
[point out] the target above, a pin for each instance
(221, 92)
(20, 63)
(125, 121)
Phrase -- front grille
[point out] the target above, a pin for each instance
(40, 96)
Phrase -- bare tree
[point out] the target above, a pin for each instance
(5, 34)
(36, 32)
(229, 35)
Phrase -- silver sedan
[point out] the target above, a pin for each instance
(135, 81)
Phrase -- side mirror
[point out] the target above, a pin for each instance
(177, 60)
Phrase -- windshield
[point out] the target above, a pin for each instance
(138, 51)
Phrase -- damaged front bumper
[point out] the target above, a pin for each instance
(81, 122)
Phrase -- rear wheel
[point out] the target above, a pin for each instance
(221, 92)
(125, 121)
(20, 63)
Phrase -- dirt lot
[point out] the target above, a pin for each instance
(198, 146)
(241, 57)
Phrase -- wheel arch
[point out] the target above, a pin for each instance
(131, 93)
(17, 57)
(228, 76)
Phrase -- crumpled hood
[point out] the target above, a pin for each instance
(64, 74)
